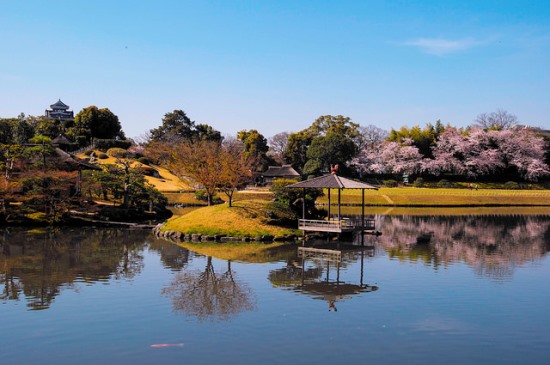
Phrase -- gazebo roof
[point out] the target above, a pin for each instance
(332, 181)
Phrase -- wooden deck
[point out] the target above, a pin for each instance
(335, 225)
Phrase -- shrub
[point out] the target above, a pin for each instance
(418, 183)
(511, 185)
(390, 183)
(144, 160)
(293, 197)
(117, 152)
(81, 140)
(149, 171)
(280, 214)
(105, 144)
(444, 183)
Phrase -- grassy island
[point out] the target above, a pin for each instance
(247, 218)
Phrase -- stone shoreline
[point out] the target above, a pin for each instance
(220, 238)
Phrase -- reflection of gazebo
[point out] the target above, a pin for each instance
(311, 283)
(339, 224)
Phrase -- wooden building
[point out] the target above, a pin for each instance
(279, 172)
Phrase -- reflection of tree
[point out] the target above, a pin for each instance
(172, 256)
(207, 295)
(492, 245)
(40, 265)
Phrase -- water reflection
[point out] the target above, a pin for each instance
(318, 276)
(492, 245)
(38, 265)
(172, 256)
(206, 294)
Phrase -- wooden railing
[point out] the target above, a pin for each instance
(335, 225)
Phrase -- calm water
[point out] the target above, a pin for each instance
(448, 289)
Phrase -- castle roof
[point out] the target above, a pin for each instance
(59, 105)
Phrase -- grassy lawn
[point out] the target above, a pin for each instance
(488, 194)
(244, 219)
(441, 197)
(167, 182)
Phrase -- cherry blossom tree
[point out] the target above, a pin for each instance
(480, 152)
(391, 157)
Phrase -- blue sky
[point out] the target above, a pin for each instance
(277, 65)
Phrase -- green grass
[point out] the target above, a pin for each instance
(445, 211)
(441, 197)
(244, 219)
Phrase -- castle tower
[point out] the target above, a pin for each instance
(60, 111)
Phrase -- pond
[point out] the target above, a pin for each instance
(453, 289)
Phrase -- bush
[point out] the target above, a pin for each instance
(418, 183)
(280, 214)
(511, 185)
(117, 152)
(105, 144)
(149, 171)
(293, 197)
(144, 160)
(102, 156)
(444, 183)
(390, 183)
(81, 140)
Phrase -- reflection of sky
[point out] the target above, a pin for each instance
(417, 315)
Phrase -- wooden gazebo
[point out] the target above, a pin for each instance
(339, 224)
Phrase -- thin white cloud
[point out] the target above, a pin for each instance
(441, 47)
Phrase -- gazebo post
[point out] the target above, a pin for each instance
(328, 218)
(362, 217)
(304, 203)
(339, 190)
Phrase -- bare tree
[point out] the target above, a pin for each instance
(235, 169)
(277, 146)
(212, 165)
(498, 120)
(370, 136)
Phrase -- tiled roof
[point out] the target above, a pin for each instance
(332, 181)
(59, 105)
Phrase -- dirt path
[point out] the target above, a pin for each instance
(388, 199)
